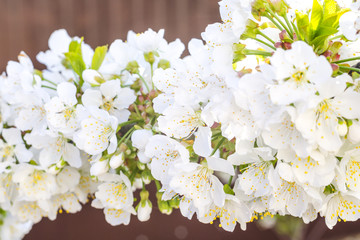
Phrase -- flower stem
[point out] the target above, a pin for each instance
(145, 83)
(230, 180)
(273, 21)
(129, 122)
(269, 39)
(336, 37)
(44, 86)
(137, 110)
(350, 68)
(158, 185)
(279, 20)
(289, 25)
(347, 60)
(218, 146)
(265, 43)
(257, 52)
(49, 82)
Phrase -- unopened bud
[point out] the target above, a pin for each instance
(132, 67)
(342, 129)
(93, 77)
(99, 167)
(117, 160)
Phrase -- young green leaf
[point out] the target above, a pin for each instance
(99, 56)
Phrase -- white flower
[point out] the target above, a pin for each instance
(350, 167)
(63, 114)
(14, 229)
(111, 98)
(140, 139)
(350, 22)
(317, 169)
(53, 148)
(340, 206)
(28, 211)
(13, 149)
(179, 121)
(164, 153)
(284, 134)
(254, 179)
(34, 183)
(296, 72)
(320, 123)
(234, 211)
(148, 41)
(97, 133)
(32, 114)
(115, 191)
(116, 217)
(197, 182)
(289, 196)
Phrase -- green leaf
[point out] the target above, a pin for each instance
(75, 46)
(330, 7)
(76, 62)
(99, 56)
(316, 17)
(302, 21)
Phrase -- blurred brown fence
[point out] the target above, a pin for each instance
(27, 24)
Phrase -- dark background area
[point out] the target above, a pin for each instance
(27, 24)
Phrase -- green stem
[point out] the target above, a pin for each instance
(218, 146)
(49, 82)
(336, 37)
(230, 180)
(347, 60)
(44, 86)
(81, 82)
(273, 21)
(269, 39)
(133, 174)
(265, 43)
(129, 122)
(128, 133)
(350, 68)
(281, 22)
(257, 52)
(152, 74)
(296, 31)
(137, 110)
(158, 185)
(145, 83)
(289, 25)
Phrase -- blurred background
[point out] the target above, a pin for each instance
(27, 24)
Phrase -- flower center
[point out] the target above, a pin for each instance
(298, 77)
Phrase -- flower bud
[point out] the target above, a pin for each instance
(164, 64)
(117, 160)
(61, 163)
(99, 167)
(53, 169)
(140, 165)
(93, 77)
(132, 67)
(164, 207)
(144, 210)
(342, 129)
(354, 132)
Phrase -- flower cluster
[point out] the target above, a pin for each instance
(260, 119)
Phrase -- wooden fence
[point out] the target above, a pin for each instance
(27, 24)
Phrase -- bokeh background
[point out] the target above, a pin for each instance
(27, 24)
